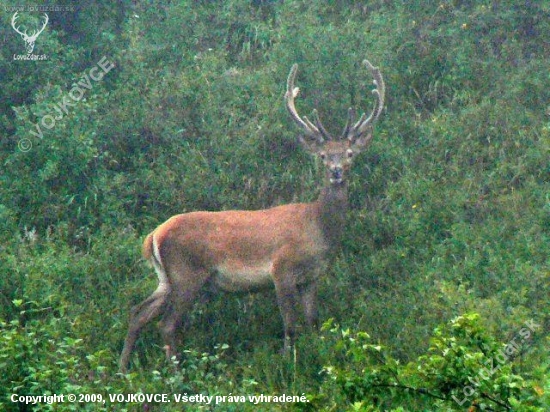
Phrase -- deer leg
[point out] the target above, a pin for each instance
(286, 298)
(308, 295)
(182, 298)
(142, 314)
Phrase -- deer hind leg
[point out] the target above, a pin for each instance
(185, 290)
(142, 314)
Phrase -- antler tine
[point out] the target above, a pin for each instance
(320, 126)
(310, 124)
(13, 19)
(315, 131)
(380, 90)
(43, 27)
(347, 127)
(364, 122)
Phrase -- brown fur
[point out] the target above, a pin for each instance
(147, 250)
(285, 246)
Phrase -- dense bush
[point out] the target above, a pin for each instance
(450, 206)
(464, 368)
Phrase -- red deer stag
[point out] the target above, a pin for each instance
(286, 246)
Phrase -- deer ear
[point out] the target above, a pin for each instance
(311, 144)
(361, 142)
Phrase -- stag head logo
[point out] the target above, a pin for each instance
(29, 39)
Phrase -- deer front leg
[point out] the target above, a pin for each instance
(308, 295)
(286, 298)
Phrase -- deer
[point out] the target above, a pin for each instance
(29, 39)
(287, 247)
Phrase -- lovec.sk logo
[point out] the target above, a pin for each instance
(29, 39)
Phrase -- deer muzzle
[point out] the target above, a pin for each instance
(336, 175)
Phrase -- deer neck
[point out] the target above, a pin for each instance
(332, 205)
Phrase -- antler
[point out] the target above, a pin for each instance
(315, 131)
(24, 34)
(364, 124)
(16, 28)
(43, 27)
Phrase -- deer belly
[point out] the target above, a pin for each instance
(238, 277)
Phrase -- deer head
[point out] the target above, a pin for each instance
(336, 154)
(29, 39)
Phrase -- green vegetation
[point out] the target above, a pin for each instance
(448, 231)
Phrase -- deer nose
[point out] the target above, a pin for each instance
(337, 172)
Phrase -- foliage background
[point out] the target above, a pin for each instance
(450, 206)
